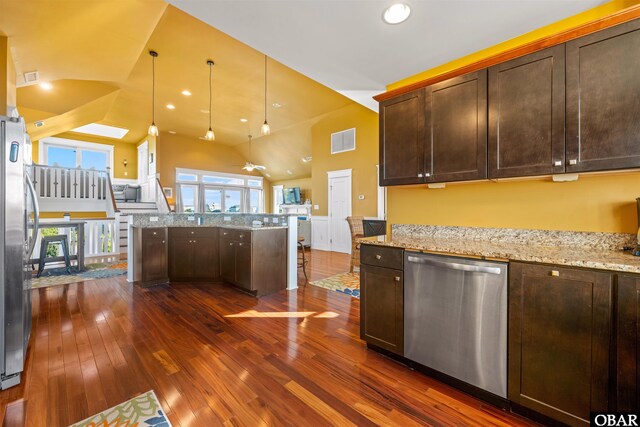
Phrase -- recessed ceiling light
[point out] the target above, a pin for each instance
(243, 120)
(171, 106)
(186, 93)
(276, 105)
(306, 159)
(396, 13)
(172, 132)
(289, 172)
(46, 86)
(102, 130)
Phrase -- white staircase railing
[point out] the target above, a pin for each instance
(63, 189)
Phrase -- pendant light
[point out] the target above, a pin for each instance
(153, 129)
(265, 129)
(210, 136)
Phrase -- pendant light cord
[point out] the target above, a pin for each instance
(210, 78)
(153, 89)
(265, 88)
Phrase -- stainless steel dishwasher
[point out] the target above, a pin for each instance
(455, 318)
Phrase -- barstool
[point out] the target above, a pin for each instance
(59, 239)
(302, 263)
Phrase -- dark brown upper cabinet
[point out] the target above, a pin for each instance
(526, 115)
(402, 139)
(603, 99)
(456, 128)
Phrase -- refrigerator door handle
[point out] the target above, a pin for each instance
(36, 215)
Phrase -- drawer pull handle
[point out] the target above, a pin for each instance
(192, 232)
(555, 273)
(241, 236)
(378, 256)
(397, 278)
(163, 241)
(154, 233)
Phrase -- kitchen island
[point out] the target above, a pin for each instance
(256, 253)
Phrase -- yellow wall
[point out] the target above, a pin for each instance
(177, 151)
(74, 215)
(362, 160)
(585, 17)
(593, 203)
(305, 185)
(121, 151)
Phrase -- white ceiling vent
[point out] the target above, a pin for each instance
(28, 79)
(343, 141)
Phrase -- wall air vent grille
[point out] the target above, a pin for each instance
(343, 141)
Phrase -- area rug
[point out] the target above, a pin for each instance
(141, 411)
(59, 276)
(346, 283)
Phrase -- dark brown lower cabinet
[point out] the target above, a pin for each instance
(193, 253)
(628, 342)
(382, 307)
(255, 261)
(153, 255)
(560, 325)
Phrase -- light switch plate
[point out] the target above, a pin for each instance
(227, 218)
(153, 219)
(361, 197)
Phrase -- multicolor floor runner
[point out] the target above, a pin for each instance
(59, 276)
(346, 283)
(141, 411)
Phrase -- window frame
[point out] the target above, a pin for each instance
(78, 146)
(245, 189)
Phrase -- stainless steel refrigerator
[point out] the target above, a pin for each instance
(18, 232)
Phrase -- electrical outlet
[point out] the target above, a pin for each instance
(191, 218)
(275, 220)
(316, 207)
(227, 218)
(266, 220)
(153, 219)
(361, 197)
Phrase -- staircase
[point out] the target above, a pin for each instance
(126, 209)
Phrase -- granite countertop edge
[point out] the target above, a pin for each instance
(234, 227)
(588, 258)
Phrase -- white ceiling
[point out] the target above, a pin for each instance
(344, 44)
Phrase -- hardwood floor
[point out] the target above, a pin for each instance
(215, 356)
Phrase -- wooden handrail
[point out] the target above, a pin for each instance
(113, 198)
(625, 15)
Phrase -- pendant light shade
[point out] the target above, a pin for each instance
(210, 136)
(153, 129)
(265, 129)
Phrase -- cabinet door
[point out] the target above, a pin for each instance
(382, 307)
(154, 254)
(243, 265)
(206, 255)
(603, 102)
(227, 260)
(559, 341)
(526, 115)
(628, 343)
(181, 264)
(402, 139)
(456, 123)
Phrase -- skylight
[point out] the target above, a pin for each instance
(102, 130)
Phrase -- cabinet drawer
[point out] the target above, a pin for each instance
(235, 235)
(193, 231)
(381, 256)
(157, 233)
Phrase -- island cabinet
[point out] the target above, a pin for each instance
(560, 329)
(151, 255)
(627, 344)
(193, 253)
(255, 261)
(603, 102)
(526, 115)
(382, 297)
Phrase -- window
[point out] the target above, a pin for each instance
(69, 153)
(211, 192)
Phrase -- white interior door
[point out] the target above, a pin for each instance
(277, 198)
(143, 180)
(339, 210)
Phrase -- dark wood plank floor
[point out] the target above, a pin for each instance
(215, 356)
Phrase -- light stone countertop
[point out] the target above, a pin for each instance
(573, 256)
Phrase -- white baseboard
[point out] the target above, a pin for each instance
(320, 233)
(122, 181)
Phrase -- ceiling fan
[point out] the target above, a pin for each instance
(249, 166)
